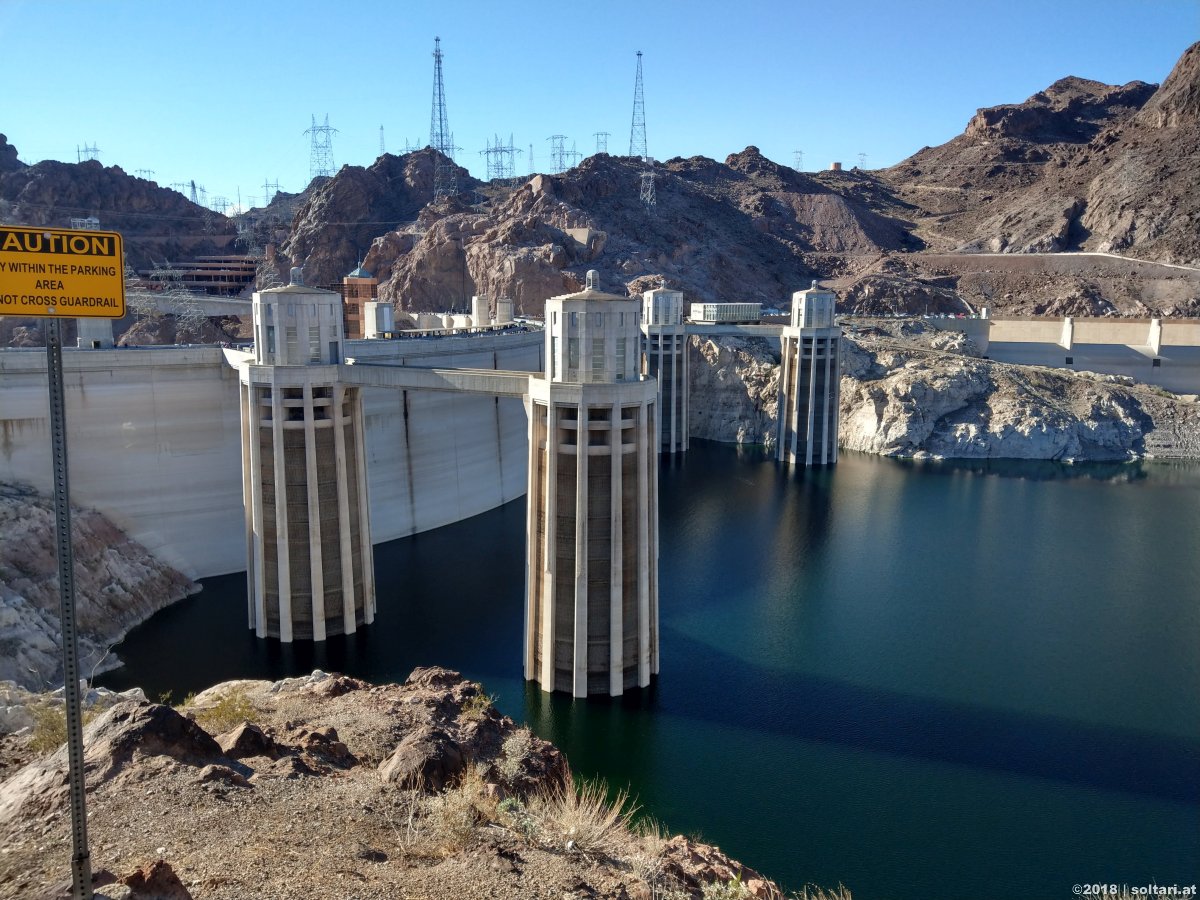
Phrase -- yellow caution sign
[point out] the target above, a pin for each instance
(61, 272)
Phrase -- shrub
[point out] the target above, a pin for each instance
(232, 709)
(49, 728)
(50, 725)
(457, 812)
(476, 706)
(516, 750)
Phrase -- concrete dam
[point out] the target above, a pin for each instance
(156, 446)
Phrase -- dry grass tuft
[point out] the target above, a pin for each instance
(580, 816)
(452, 816)
(813, 892)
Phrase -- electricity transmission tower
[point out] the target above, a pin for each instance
(646, 194)
(862, 160)
(382, 148)
(601, 141)
(798, 160)
(197, 194)
(147, 174)
(637, 132)
(85, 153)
(501, 159)
(320, 157)
(531, 167)
(637, 141)
(558, 154)
(445, 174)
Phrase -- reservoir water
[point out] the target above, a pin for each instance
(923, 680)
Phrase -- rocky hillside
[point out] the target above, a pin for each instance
(747, 228)
(1079, 166)
(118, 585)
(339, 217)
(327, 786)
(157, 223)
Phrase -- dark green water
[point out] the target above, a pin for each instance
(922, 680)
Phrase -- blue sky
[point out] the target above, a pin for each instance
(221, 92)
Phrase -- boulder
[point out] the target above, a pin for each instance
(245, 740)
(156, 881)
(427, 759)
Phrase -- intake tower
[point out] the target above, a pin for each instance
(591, 618)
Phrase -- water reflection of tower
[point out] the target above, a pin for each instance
(592, 578)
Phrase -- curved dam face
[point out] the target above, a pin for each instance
(154, 440)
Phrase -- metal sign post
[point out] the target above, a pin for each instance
(60, 273)
(81, 866)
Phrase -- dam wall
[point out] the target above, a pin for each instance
(1162, 352)
(154, 441)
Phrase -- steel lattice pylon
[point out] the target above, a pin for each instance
(637, 133)
(320, 158)
(445, 173)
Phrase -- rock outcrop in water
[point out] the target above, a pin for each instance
(735, 383)
(327, 786)
(911, 390)
(118, 585)
(902, 399)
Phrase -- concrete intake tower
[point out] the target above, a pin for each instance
(591, 617)
(310, 567)
(809, 381)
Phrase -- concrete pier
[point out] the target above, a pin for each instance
(665, 359)
(591, 623)
(809, 381)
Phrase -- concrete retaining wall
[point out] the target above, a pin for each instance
(154, 439)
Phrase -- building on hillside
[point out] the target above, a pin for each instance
(591, 623)
(358, 288)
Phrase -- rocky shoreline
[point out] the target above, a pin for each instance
(328, 786)
(911, 390)
(119, 584)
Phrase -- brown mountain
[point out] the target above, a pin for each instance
(747, 228)
(158, 224)
(1081, 166)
